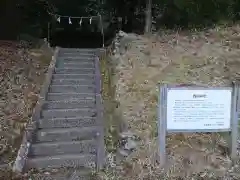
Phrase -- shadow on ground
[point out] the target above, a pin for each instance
(80, 39)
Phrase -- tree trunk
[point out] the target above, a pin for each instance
(148, 17)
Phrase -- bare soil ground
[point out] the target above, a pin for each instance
(208, 57)
(22, 71)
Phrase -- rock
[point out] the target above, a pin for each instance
(54, 170)
(122, 34)
(123, 152)
(2, 104)
(141, 47)
(117, 44)
(117, 56)
(130, 145)
(111, 159)
(127, 134)
(47, 173)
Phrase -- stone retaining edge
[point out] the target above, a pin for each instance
(99, 105)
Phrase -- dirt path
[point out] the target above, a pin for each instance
(22, 71)
(210, 57)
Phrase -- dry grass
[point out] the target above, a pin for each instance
(210, 57)
(108, 103)
(22, 71)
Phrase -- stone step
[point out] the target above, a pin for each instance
(75, 54)
(70, 96)
(80, 62)
(69, 175)
(62, 177)
(78, 52)
(74, 76)
(74, 70)
(65, 113)
(72, 82)
(85, 59)
(69, 104)
(62, 161)
(74, 65)
(88, 50)
(67, 122)
(71, 89)
(65, 134)
(59, 148)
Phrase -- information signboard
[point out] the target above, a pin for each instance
(197, 109)
(189, 109)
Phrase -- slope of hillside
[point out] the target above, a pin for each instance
(209, 57)
(22, 71)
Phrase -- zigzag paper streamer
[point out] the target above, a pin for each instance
(69, 21)
(80, 22)
(58, 19)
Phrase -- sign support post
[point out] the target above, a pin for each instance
(162, 123)
(234, 121)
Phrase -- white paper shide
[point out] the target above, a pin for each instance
(198, 109)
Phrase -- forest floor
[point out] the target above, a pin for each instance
(22, 71)
(208, 57)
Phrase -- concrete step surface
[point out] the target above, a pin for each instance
(76, 59)
(83, 62)
(79, 122)
(73, 82)
(70, 96)
(74, 65)
(74, 70)
(66, 134)
(74, 76)
(80, 51)
(60, 148)
(65, 113)
(69, 175)
(76, 54)
(69, 104)
(65, 174)
(71, 89)
(62, 161)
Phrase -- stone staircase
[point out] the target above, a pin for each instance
(69, 130)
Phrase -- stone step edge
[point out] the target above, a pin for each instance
(59, 161)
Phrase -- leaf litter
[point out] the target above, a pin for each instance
(22, 71)
(209, 57)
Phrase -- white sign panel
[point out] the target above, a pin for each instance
(198, 109)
